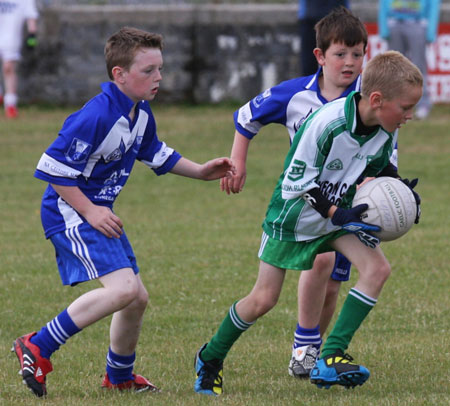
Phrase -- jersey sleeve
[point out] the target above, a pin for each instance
(305, 160)
(432, 20)
(155, 153)
(266, 108)
(66, 158)
(383, 28)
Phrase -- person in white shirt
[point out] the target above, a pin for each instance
(13, 15)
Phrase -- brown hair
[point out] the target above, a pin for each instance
(389, 73)
(121, 47)
(340, 26)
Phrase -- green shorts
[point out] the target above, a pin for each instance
(296, 255)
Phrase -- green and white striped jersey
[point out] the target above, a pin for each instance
(325, 153)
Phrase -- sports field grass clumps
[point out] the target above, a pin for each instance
(197, 248)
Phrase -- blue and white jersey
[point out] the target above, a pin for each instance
(96, 150)
(288, 103)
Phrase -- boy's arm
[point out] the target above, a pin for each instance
(383, 29)
(433, 20)
(100, 217)
(235, 183)
(211, 170)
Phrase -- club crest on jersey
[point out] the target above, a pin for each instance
(335, 165)
(116, 155)
(78, 151)
(260, 99)
(297, 170)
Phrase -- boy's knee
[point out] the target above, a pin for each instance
(385, 271)
(142, 299)
(128, 292)
(379, 273)
(324, 262)
(8, 68)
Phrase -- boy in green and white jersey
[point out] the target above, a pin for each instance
(310, 212)
(329, 156)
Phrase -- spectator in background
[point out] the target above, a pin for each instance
(13, 15)
(408, 26)
(309, 14)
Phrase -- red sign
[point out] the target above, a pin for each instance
(438, 60)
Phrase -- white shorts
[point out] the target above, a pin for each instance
(9, 54)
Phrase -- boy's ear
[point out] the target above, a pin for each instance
(320, 56)
(376, 99)
(118, 74)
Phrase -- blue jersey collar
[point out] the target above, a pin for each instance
(314, 86)
(120, 99)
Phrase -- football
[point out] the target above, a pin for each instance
(391, 206)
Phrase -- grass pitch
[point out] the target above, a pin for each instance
(197, 250)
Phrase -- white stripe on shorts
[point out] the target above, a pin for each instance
(264, 239)
(80, 250)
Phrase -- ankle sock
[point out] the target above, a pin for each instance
(119, 367)
(54, 334)
(306, 336)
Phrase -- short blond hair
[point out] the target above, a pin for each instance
(389, 73)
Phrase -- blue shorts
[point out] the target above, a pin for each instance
(341, 270)
(83, 254)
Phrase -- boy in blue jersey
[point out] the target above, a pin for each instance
(310, 12)
(341, 44)
(86, 167)
(346, 139)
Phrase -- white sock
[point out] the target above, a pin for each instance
(10, 99)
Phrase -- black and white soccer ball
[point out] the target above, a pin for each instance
(391, 206)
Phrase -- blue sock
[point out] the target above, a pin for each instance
(307, 336)
(119, 367)
(55, 334)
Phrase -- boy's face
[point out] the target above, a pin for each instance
(141, 81)
(340, 63)
(392, 113)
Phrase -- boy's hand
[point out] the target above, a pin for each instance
(217, 168)
(412, 184)
(367, 239)
(104, 220)
(235, 183)
(350, 220)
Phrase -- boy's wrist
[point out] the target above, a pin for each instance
(332, 210)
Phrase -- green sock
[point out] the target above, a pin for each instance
(355, 309)
(229, 331)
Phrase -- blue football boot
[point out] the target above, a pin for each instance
(338, 369)
(209, 375)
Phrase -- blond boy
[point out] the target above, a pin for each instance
(345, 139)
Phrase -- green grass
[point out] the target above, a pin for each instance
(197, 251)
